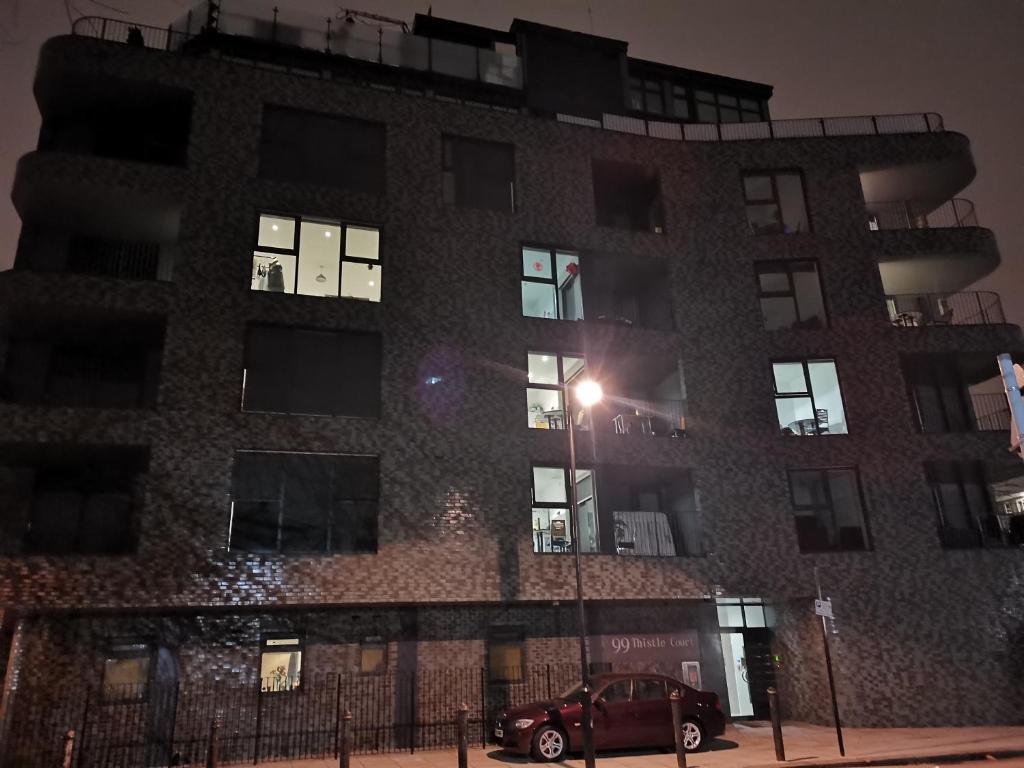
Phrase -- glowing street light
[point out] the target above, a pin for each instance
(588, 393)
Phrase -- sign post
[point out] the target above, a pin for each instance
(823, 609)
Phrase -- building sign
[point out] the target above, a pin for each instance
(663, 654)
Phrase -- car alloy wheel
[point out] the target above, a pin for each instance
(549, 744)
(693, 737)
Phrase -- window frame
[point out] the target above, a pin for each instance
(567, 506)
(373, 642)
(295, 250)
(448, 168)
(120, 650)
(786, 265)
(299, 647)
(964, 472)
(809, 392)
(716, 102)
(552, 252)
(506, 636)
(830, 506)
(776, 200)
(560, 387)
(331, 523)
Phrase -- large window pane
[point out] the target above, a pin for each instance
(796, 415)
(537, 263)
(827, 397)
(360, 281)
(778, 312)
(544, 408)
(807, 288)
(549, 485)
(539, 300)
(758, 188)
(551, 530)
(543, 369)
(791, 199)
(276, 232)
(479, 174)
(362, 242)
(274, 272)
(319, 250)
(789, 377)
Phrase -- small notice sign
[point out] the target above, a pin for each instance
(823, 608)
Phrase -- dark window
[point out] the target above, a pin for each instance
(636, 94)
(292, 370)
(715, 107)
(304, 502)
(775, 202)
(506, 655)
(78, 504)
(322, 149)
(628, 196)
(110, 360)
(551, 284)
(828, 510)
(808, 400)
(126, 672)
(680, 102)
(478, 174)
(939, 393)
(967, 517)
(790, 295)
(281, 663)
(316, 258)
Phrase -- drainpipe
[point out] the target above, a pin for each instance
(10, 689)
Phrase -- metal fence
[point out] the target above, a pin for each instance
(909, 214)
(965, 308)
(169, 724)
(991, 412)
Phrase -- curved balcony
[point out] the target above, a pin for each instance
(918, 214)
(915, 310)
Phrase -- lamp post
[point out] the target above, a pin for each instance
(588, 392)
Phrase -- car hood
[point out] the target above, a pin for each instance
(536, 708)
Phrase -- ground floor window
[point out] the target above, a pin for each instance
(506, 655)
(126, 672)
(280, 664)
(373, 653)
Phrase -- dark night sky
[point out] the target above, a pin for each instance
(961, 58)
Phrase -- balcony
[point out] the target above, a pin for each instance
(915, 214)
(248, 35)
(914, 310)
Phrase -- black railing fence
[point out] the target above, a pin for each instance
(991, 412)
(908, 214)
(963, 308)
(161, 724)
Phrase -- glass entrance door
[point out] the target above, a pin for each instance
(736, 676)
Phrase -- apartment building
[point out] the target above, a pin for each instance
(284, 360)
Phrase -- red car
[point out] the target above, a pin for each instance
(630, 710)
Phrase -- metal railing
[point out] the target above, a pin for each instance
(380, 45)
(169, 724)
(114, 258)
(912, 310)
(991, 412)
(810, 127)
(656, 418)
(907, 214)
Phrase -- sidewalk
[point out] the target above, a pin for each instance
(746, 746)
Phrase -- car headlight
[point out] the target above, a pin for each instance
(526, 722)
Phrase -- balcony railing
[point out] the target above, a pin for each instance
(376, 44)
(866, 125)
(905, 214)
(912, 310)
(991, 412)
(657, 418)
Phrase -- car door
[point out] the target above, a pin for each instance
(653, 712)
(614, 723)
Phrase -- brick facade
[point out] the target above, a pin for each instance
(926, 635)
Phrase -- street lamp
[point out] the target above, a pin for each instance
(588, 393)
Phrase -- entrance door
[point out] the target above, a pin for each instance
(736, 676)
(760, 668)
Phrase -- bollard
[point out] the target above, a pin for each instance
(69, 748)
(345, 750)
(677, 727)
(588, 727)
(773, 706)
(463, 736)
(211, 753)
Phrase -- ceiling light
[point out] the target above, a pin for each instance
(274, 227)
(544, 358)
(327, 233)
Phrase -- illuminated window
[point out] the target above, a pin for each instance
(280, 664)
(126, 672)
(506, 657)
(373, 656)
(808, 400)
(316, 258)
(551, 284)
(546, 375)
